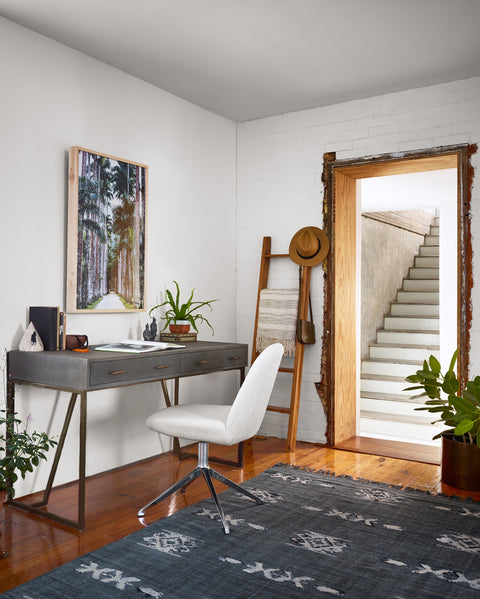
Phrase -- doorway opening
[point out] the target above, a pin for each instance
(340, 370)
(407, 243)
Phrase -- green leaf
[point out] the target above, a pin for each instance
(464, 426)
(461, 404)
(450, 386)
(434, 365)
(453, 360)
(430, 376)
(471, 397)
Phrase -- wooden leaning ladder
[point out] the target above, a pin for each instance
(296, 371)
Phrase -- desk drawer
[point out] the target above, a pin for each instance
(110, 372)
(214, 360)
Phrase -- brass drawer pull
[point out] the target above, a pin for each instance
(160, 366)
(199, 362)
(118, 372)
(234, 358)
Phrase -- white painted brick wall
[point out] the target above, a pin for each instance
(280, 190)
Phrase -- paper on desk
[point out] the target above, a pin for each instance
(134, 346)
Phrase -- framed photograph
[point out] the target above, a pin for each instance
(107, 212)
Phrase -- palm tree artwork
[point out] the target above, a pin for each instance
(111, 233)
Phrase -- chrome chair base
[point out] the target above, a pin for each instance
(208, 473)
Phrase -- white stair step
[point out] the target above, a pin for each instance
(423, 273)
(415, 310)
(420, 285)
(429, 250)
(385, 386)
(432, 240)
(398, 430)
(402, 352)
(427, 261)
(411, 323)
(408, 338)
(417, 297)
(384, 367)
(435, 230)
(385, 409)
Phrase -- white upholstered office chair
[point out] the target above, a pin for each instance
(221, 424)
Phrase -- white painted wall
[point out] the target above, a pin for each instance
(280, 190)
(52, 98)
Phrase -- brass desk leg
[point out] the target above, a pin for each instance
(183, 455)
(35, 507)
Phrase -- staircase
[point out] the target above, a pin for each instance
(410, 334)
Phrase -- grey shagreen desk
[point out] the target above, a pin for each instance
(79, 373)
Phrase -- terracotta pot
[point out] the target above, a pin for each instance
(180, 326)
(460, 463)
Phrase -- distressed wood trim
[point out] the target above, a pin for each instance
(396, 163)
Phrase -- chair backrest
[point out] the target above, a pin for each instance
(248, 409)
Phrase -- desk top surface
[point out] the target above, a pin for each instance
(76, 371)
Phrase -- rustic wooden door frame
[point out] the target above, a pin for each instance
(337, 388)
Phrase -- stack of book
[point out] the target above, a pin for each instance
(178, 337)
(49, 322)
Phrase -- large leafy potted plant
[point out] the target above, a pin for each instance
(20, 451)
(180, 314)
(460, 412)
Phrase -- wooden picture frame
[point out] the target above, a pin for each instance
(106, 241)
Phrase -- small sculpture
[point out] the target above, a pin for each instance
(150, 331)
(31, 340)
(146, 333)
(153, 329)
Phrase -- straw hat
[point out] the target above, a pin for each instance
(309, 246)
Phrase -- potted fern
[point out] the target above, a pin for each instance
(20, 451)
(179, 316)
(460, 412)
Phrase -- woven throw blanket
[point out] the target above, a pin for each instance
(277, 319)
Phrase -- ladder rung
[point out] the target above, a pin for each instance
(277, 255)
(285, 370)
(278, 409)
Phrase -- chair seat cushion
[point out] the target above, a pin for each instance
(197, 422)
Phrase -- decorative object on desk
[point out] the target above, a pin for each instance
(177, 314)
(107, 207)
(74, 342)
(179, 327)
(46, 320)
(178, 337)
(309, 246)
(30, 340)
(316, 535)
(20, 450)
(459, 412)
(277, 319)
(150, 331)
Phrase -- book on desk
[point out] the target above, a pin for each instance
(133, 346)
(49, 323)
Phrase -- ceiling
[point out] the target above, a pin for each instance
(246, 59)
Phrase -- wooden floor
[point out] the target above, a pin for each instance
(36, 545)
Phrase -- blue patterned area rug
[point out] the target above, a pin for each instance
(315, 536)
